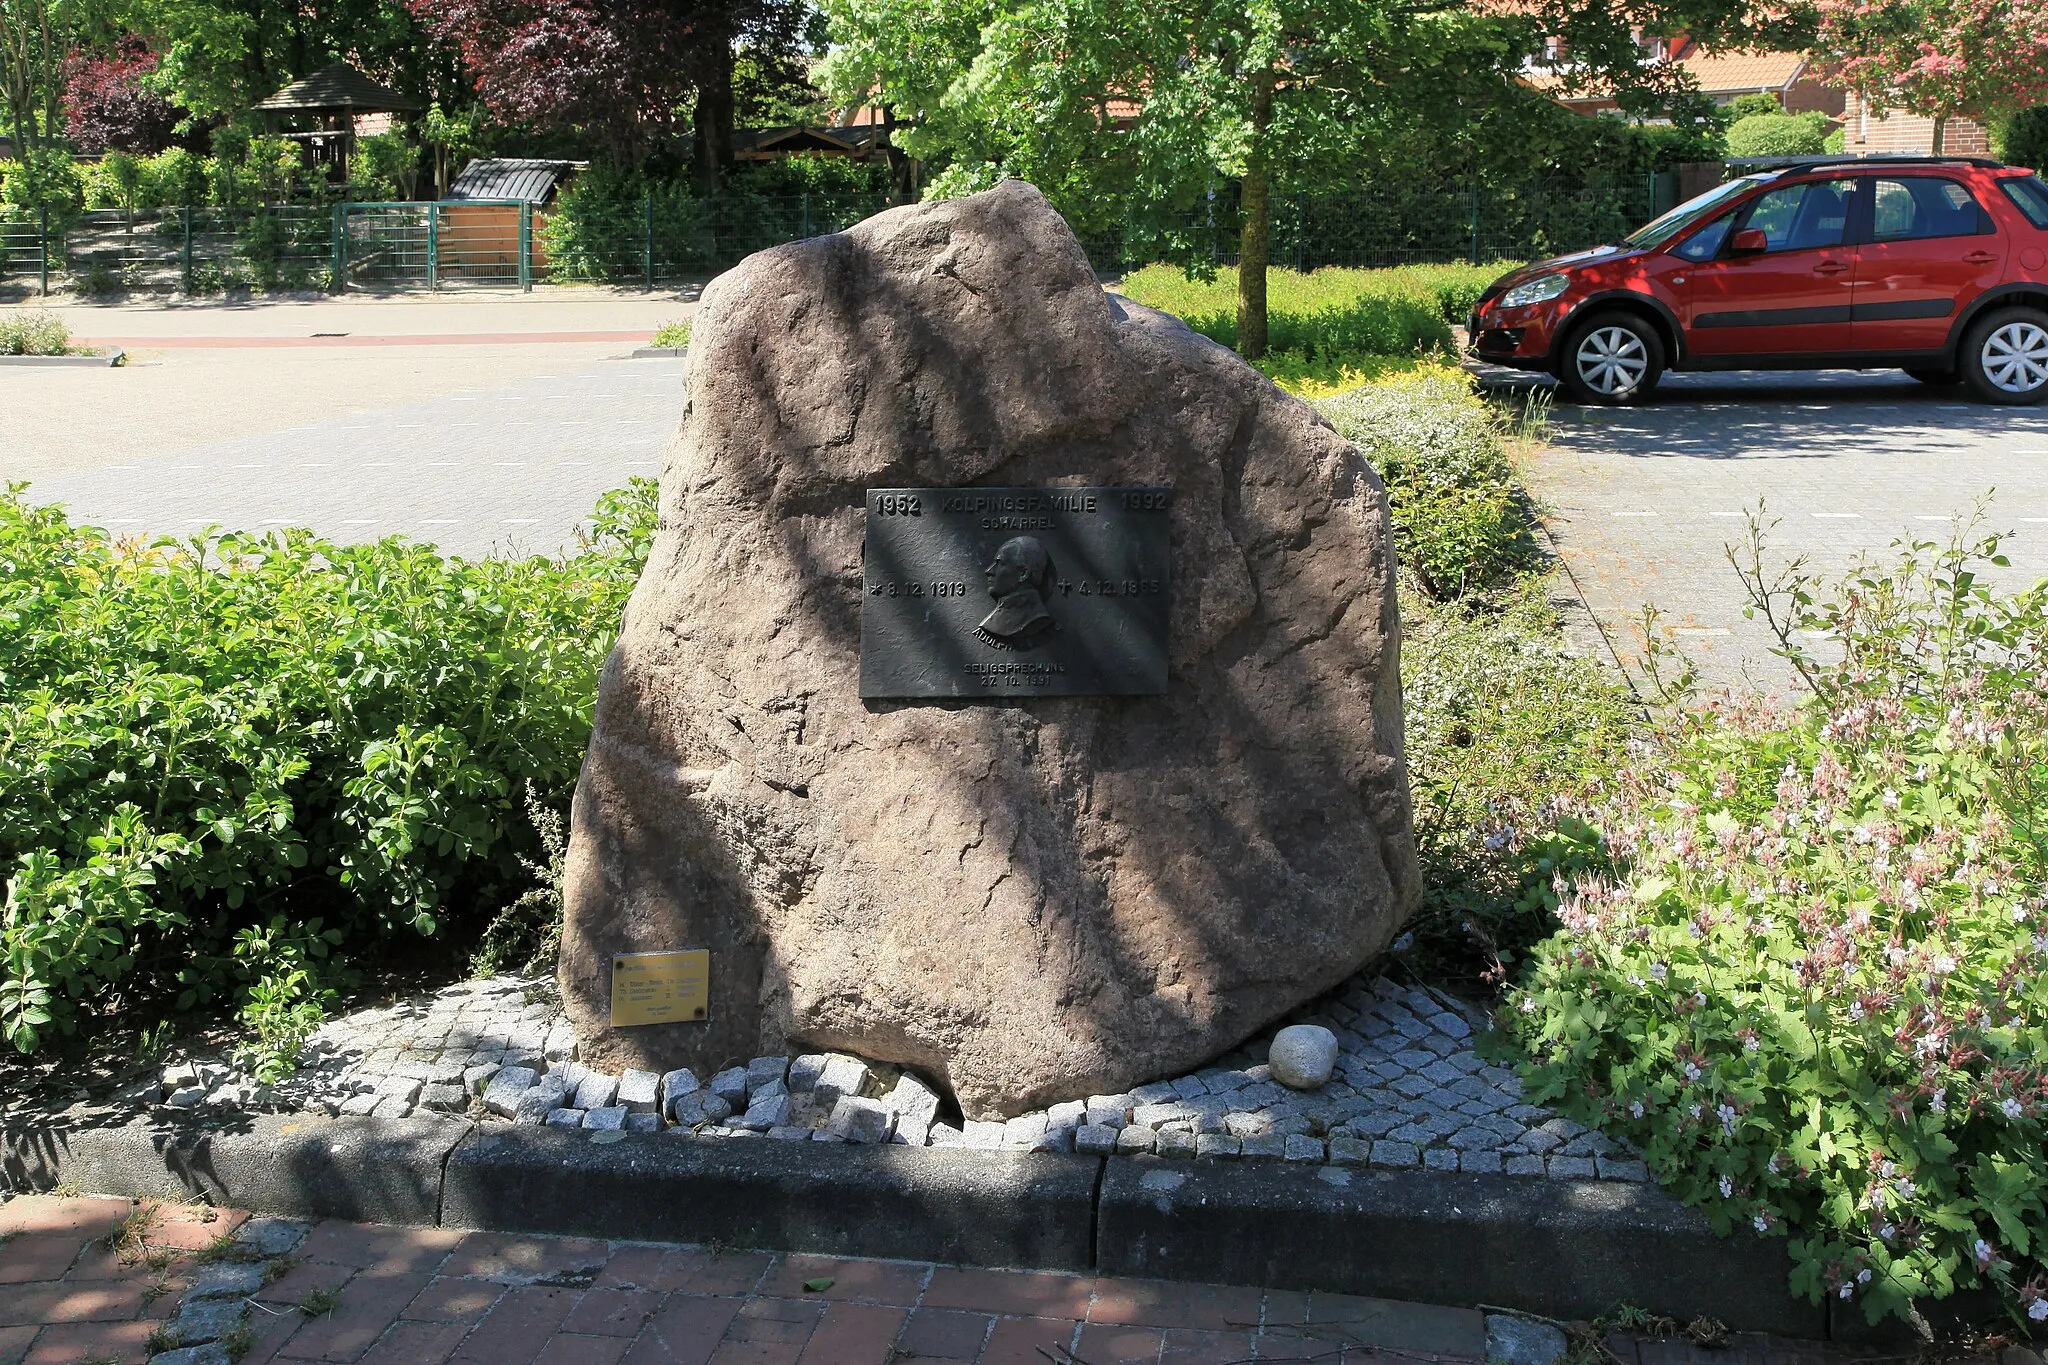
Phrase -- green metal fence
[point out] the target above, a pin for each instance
(665, 239)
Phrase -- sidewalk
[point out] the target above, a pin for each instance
(419, 1296)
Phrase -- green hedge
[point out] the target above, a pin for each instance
(222, 758)
(1461, 519)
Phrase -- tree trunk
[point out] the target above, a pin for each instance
(1255, 237)
(712, 121)
(1940, 133)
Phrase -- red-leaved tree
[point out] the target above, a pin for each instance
(108, 109)
(1944, 59)
(614, 71)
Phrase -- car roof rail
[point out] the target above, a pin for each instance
(1805, 163)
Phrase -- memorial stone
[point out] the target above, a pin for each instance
(1126, 787)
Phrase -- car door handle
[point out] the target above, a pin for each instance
(1829, 268)
(1980, 258)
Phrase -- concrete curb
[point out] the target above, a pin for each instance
(302, 1166)
(659, 353)
(113, 356)
(1561, 1248)
(970, 1208)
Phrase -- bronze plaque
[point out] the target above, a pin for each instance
(1016, 592)
(661, 988)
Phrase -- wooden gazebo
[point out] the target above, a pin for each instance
(331, 100)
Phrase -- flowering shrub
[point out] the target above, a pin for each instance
(1808, 980)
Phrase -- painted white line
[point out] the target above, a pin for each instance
(442, 464)
(248, 466)
(572, 464)
(277, 521)
(120, 521)
(381, 464)
(521, 521)
(1839, 516)
(1704, 630)
(316, 466)
(1724, 514)
(2034, 520)
(358, 521)
(509, 464)
(440, 521)
(1633, 514)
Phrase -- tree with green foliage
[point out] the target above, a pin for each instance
(1135, 117)
(2022, 139)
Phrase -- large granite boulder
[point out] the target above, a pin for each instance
(1029, 900)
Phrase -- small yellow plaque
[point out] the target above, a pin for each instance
(661, 988)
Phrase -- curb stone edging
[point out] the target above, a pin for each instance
(1014, 1209)
(659, 353)
(1562, 1248)
(299, 1165)
(113, 356)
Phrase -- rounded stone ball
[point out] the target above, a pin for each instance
(1303, 1056)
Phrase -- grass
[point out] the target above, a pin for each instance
(129, 1241)
(1327, 326)
(673, 335)
(321, 1301)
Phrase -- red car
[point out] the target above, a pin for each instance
(1934, 265)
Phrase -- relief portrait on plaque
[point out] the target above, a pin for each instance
(1019, 579)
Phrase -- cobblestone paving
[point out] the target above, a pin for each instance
(1410, 1091)
(280, 1290)
(508, 468)
(1643, 501)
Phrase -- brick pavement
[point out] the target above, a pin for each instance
(422, 1296)
(1643, 501)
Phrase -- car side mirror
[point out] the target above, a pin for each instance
(1749, 242)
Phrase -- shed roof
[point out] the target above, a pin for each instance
(526, 179)
(339, 86)
(758, 143)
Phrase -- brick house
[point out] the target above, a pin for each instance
(1722, 76)
(1866, 130)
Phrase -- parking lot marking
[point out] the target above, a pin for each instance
(1704, 630)
(1724, 514)
(1839, 516)
(358, 521)
(440, 521)
(1635, 514)
(521, 521)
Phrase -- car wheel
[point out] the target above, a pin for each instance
(2005, 356)
(1612, 358)
(1938, 378)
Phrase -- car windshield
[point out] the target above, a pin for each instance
(1691, 211)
